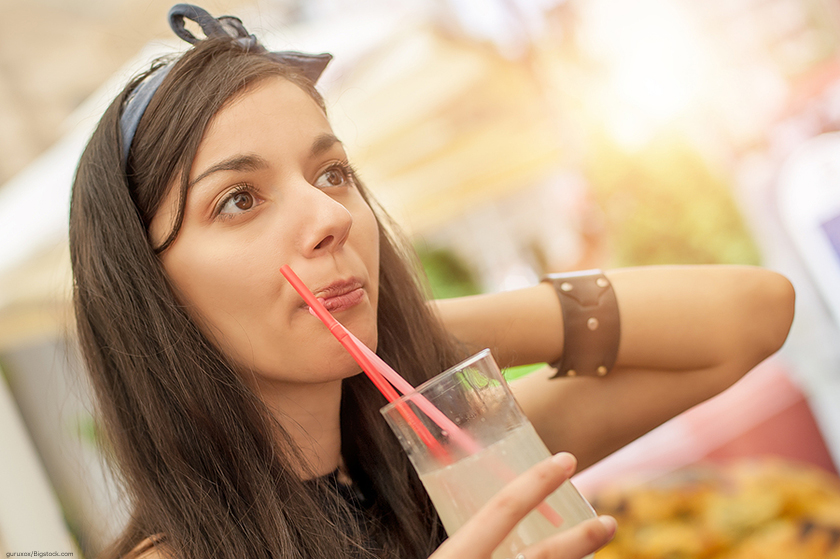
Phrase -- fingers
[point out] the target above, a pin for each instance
(490, 525)
(576, 542)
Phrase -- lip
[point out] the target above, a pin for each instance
(340, 295)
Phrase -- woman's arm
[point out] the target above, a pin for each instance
(687, 333)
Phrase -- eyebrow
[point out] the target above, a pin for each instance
(322, 143)
(254, 162)
(236, 163)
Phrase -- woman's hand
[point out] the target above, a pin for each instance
(479, 537)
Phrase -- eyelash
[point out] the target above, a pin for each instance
(238, 189)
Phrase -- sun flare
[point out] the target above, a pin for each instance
(653, 60)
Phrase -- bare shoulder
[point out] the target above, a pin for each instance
(150, 553)
(150, 548)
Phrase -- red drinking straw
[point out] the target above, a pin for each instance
(378, 371)
(455, 432)
(354, 347)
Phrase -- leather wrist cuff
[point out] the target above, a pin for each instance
(591, 324)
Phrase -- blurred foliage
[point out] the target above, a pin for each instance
(665, 205)
(88, 430)
(447, 274)
(513, 373)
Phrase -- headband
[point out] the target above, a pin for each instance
(311, 65)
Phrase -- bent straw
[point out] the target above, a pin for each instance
(456, 433)
(378, 371)
(447, 425)
(353, 346)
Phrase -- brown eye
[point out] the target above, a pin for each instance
(243, 200)
(337, 175)
(334, 177)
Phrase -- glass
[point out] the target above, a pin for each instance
(460, 480)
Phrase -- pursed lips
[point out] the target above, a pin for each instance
(341, 295)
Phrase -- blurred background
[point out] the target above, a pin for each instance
(509, 138)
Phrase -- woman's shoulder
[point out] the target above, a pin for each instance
(151, 553)
(150, 548)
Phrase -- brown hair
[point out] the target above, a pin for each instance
(195, 449)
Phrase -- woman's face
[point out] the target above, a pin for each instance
(270, 185)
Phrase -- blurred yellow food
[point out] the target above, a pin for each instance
(756, 509)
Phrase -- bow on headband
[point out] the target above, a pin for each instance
(311, 65)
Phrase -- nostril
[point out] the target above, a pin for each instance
(324, 242)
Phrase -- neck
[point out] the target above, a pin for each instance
(310, 415)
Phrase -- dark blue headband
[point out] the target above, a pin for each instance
(311, 65)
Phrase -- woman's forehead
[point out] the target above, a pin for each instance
(269, 95)
(272, 111)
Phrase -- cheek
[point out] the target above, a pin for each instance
(223, 289)
(237, 308)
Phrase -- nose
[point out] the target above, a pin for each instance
(326, 223)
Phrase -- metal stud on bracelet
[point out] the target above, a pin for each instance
(591, 323)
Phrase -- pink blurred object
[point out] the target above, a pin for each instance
(765, 414)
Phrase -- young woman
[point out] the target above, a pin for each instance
(238, 425)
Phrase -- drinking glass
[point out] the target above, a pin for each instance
(501, 443)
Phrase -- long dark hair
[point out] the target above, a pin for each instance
(197, 452)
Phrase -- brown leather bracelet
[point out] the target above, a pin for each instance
(591, 324)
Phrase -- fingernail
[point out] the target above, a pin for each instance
(609, 523)
(565, 460)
